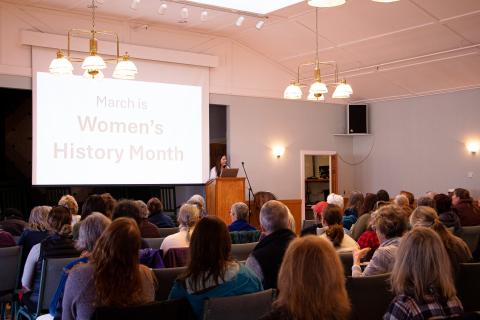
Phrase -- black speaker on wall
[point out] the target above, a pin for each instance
(357, 118)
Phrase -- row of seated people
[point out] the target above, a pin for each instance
(264, 262)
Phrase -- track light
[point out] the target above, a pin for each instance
(163, 7)
(184, 13)
(239, 21)
(259, 24)
(204, 16)
(134, 5)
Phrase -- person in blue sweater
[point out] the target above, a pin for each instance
(239, 216)
(211, 271)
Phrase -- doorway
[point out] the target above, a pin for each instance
(318, 178)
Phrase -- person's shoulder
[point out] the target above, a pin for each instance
(81, 271)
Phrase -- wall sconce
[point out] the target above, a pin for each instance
(278, 151)
(473, 147)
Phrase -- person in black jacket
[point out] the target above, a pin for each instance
(267, 256)
(157, 217)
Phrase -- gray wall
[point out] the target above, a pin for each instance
(255, 125)
(419, 145)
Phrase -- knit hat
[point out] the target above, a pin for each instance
(318, 208)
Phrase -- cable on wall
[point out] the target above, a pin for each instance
(361, 161)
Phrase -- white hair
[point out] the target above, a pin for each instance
(335, 199)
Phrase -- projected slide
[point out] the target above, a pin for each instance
(116, 132)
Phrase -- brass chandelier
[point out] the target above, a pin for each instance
(93, 64)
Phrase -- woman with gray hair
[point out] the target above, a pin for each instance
(147, 229)
(188, 216)
(90, 230)
(199, 201)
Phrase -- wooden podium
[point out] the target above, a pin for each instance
(221, 194)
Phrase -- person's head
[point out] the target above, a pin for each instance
(335, 199)
(311, 281)
(110, 203)
(291, 220)
(401, 200)
(188, 216)
(318, 210)
(274, 216)
(332, 217)
(239, 211)
(430, 194)
(70, 202)
(389, 222)
(207, 259)
(60, 220)
(422, 264)
(356, 201)
(129, 209)
(460, 194)
(426, 202)
(93, 203)
(369, 203)
(410, 197)
(90, 230)
(115, 259)
(199, 201)
(143, 209)
(38, 220)
(382, 195)
(154, 205)
(443, 203)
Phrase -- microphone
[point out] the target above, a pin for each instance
(243, 163)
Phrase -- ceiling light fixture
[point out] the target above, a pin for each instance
(259, 25)
(162, 9)
(184, 13)
(239, 21)
(318, 88)
(326, 3)
(204, 15)
(93, 64)
(134, 5)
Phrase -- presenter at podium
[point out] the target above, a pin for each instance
(220, 164)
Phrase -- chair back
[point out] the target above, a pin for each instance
(173, 309)
(154, 243)
(471, 236)
(247, 306)
(468, 286)
(49, 279)
(9, 265)
(163, 232)
(16, 238)
(347, 261)
(241, 251)
(308, 223)
(176, 257)
(244, 236)
(370, 296)
(165, 279)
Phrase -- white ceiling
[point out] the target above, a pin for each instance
(385, 50)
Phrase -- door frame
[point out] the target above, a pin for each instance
(303, 153)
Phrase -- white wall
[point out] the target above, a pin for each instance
(255, 125)
(419, 145)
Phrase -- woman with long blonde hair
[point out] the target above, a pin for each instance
(422, 279)
(188, 216)
(311, 283)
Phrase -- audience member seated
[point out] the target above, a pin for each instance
(369, 238)
(90, 231)
(267, 256)
(354, 209)
(430, 194)
(445, 212)
(311, 283)
(13, 223)
(457, 249)
(239, 216)
(157, 217)
(57, 245)
(147, 229)
(93, 203)
(466, 209)
(317, 211)
(382, 195)
(362, 223)
(198, 200)
(6, 239)
(426, 202)
(336, 199)
(402, 201)
(188, 216)
(110, 203)
(332, 219)
(129, 209)
(71, 204)
(36, 230)
(410, 197)
(113, 276)
(211, 271)
(389, 223)
(422, 279)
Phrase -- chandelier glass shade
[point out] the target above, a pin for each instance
(60, 65)
(293, 91)
(125, 69)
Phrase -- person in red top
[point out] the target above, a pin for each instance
(466, 209)
(369, 239)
